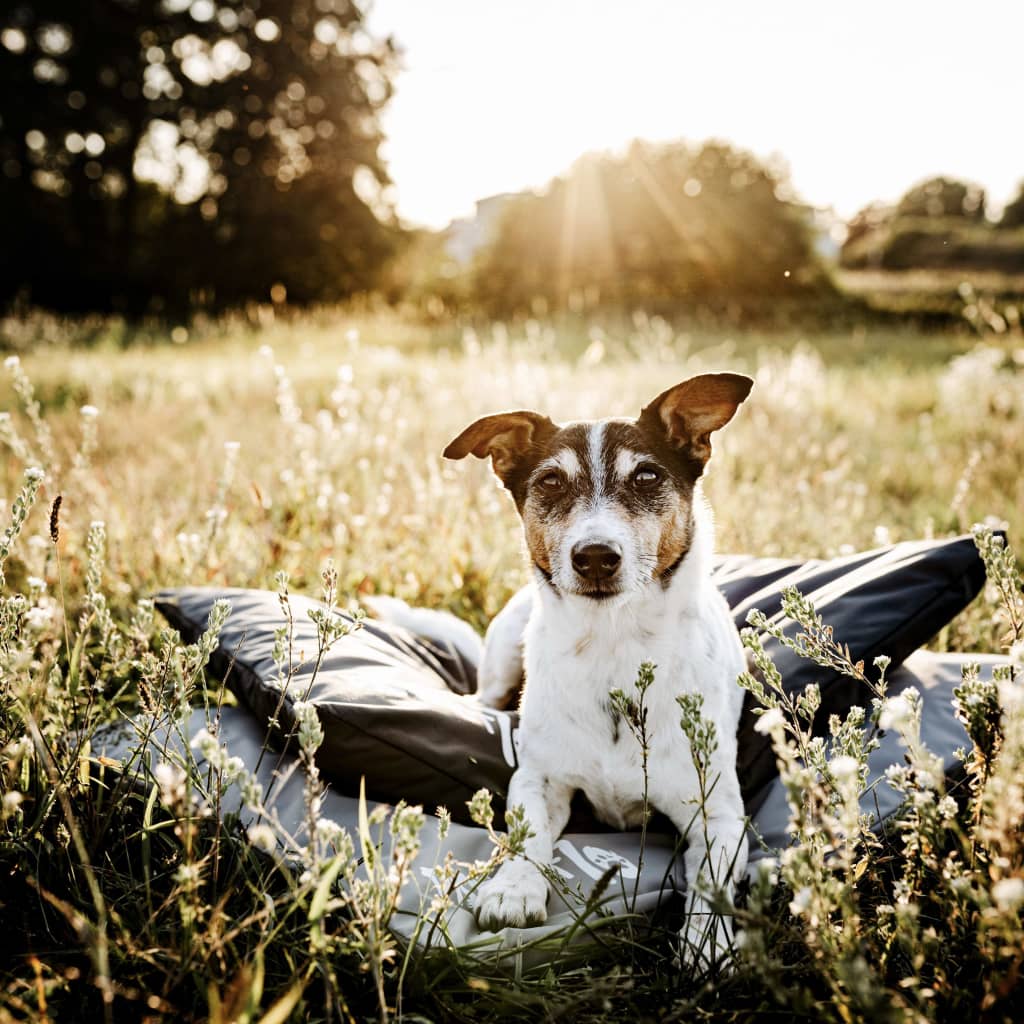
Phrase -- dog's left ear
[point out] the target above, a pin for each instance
(692, 410)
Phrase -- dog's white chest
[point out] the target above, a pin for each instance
(569, 724)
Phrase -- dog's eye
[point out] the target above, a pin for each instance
(646, 477)
(551, 482)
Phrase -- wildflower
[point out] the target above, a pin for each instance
(311, 734)
(801, 901)
(480, 810)
(1008, 893)
(171, 780)
(207, 746)
(187, 875)
(11, 802)
(768, 870)
(35, 474)
(947, 808)
(262, 837)
(251, 790)
(897, 712)
(12, 362)
(845, 769)
(39, 617)
(89, 412)
(770, 721)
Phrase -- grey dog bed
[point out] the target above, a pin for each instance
(394, 714)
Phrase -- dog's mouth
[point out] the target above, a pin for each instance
(599, 592)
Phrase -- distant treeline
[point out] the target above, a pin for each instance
(162, 154)
(660, 226)
(939, 224)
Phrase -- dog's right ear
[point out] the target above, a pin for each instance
(506, 436)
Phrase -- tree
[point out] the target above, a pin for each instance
(943, 197)
(659, 225)
(1013, 214)
(190, 150)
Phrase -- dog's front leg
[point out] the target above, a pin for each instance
(716, 856)
(517, 895)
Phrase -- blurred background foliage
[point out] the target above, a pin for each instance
(658, 226)
(163, 157)
(162, 154)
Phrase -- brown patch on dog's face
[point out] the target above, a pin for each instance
(607, 507)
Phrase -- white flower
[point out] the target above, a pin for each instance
(898, 712)
(845, 768)
(40, 617)
(262, 837)
(1008, 893)
(89, 412)
(770, 721)
(12, 362)
(11, 802)
(768, 870)
(35, 583)
(171, 780)
(801, 901)
(35, 473)
(206, 745)
(1011, 693)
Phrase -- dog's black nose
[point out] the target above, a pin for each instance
(595, 562)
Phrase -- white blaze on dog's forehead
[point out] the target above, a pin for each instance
(595, 455)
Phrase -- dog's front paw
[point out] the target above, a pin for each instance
(706, 940)
(516, 897)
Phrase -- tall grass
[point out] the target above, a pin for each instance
(254, 455)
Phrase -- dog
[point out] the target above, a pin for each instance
(619, 537)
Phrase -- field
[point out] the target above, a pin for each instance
(242, 449)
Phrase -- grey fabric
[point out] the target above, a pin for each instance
(391, 706)
(581, 857)
(935, 676)
(889, 601)
(385, 699)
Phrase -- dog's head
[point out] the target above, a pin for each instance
(607, 506)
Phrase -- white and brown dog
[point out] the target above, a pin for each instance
(620, 538)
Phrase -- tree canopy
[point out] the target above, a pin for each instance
(160, 153)
(659, 224)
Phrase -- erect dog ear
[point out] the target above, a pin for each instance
(689, 412)
(506, 436)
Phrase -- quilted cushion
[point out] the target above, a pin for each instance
(391, 703)
(581, 854)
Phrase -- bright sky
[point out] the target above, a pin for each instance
(862, 99)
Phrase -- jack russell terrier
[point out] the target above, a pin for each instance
(620, 538)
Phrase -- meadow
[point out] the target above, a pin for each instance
(240, 449)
